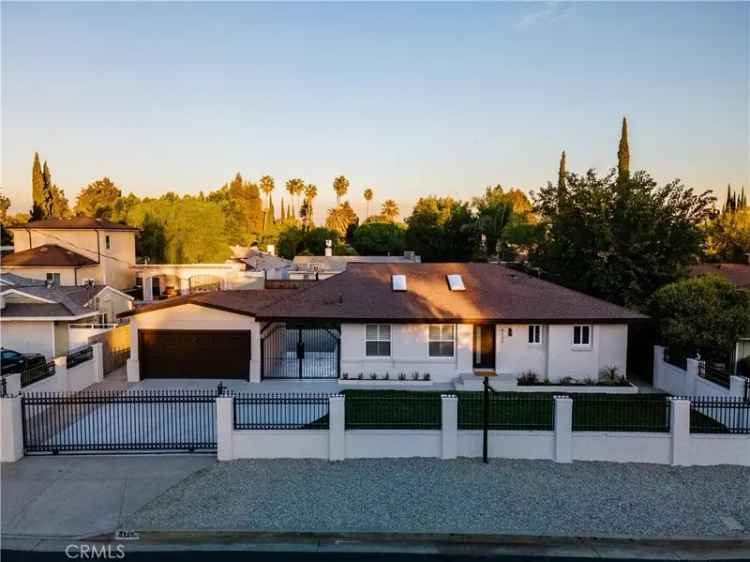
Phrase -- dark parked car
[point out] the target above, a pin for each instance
(14, 362)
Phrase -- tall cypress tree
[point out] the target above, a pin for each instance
(561, 175)
(623, 153)
(48, 197)
(37, 189)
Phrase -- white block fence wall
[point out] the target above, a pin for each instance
(678, 447)
(670, 378)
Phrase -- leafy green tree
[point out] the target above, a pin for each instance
(442, 229)
(390, 210)
(704, 315)
(290, 242)
(561, 176)
(98, 199)
(368, 195)
(380, 239)
(617, 239)
(150, 241)
(340, 186)
(315, 240)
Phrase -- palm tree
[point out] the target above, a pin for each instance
(340, 186)
(294, 186)
(389, 210)
(368, 197)
(266, 186)
(311, 191)
(340, 217)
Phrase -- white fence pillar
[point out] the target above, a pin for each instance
(148, 289)
(679, 423)
(692, 376)
(225, 428)
(337, 428)
(11, 429)
(13, 384)
(449, 425)
(563, 429)
(98, 354)
(61, 373)
(737, 386)
(658, 361)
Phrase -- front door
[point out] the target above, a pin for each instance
(484, 346)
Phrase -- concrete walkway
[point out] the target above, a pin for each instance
(56, 496)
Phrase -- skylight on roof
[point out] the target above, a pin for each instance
(398, 282)
(456, 282)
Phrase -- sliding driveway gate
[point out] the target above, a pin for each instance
(300, 352)
(119, 422)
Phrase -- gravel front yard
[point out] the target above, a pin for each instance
(427, 495)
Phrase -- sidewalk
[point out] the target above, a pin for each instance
(64, 496)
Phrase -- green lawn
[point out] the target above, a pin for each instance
(403, 409)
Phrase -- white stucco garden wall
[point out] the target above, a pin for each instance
(29, 337)
(193, 317)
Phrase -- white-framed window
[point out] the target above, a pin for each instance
(107, 242)
(442, 340)
(53, 278)
(378, 340)
(535, 334)
(582, 336)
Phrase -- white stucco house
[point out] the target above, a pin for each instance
(448, 320)
(41, 317)
(74, 251)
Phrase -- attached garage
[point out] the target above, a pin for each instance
(205, 354)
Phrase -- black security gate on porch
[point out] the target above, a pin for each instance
(290, 351)
(119, 422)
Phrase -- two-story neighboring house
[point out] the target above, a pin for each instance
(72, 252)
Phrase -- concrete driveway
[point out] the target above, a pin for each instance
(67, 496)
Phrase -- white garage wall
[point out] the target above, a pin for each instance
(193, 317)
(29, 337)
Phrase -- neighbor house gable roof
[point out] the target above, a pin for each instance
(494, 293)
(736, 273)
(246, 302)
(77, 223)
(46, 255)
(45, 302)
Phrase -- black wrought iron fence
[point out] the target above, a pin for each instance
(675, 358)
(37, 372)
(392, 410)
(79, 355)
(89, 422)
(511, 411)
(717, 374)
(712, 414)
(621, 413)
(281, 411)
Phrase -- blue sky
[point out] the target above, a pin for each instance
(410, 99)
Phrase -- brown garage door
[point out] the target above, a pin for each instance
(205, 354)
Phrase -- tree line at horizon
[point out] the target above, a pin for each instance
(617, 236)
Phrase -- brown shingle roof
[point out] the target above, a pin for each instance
(48, 254)
(77, 223)
(246, 302)
(736, 273)
(493, 294)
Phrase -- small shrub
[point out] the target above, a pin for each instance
(345, 376)
(568, 381)
(528, 377)
(402, 376)
(415, 376)
(610, 376)
(361, 376)
(387, 376)
(427, 376)
(373, 376)
(589, 381)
